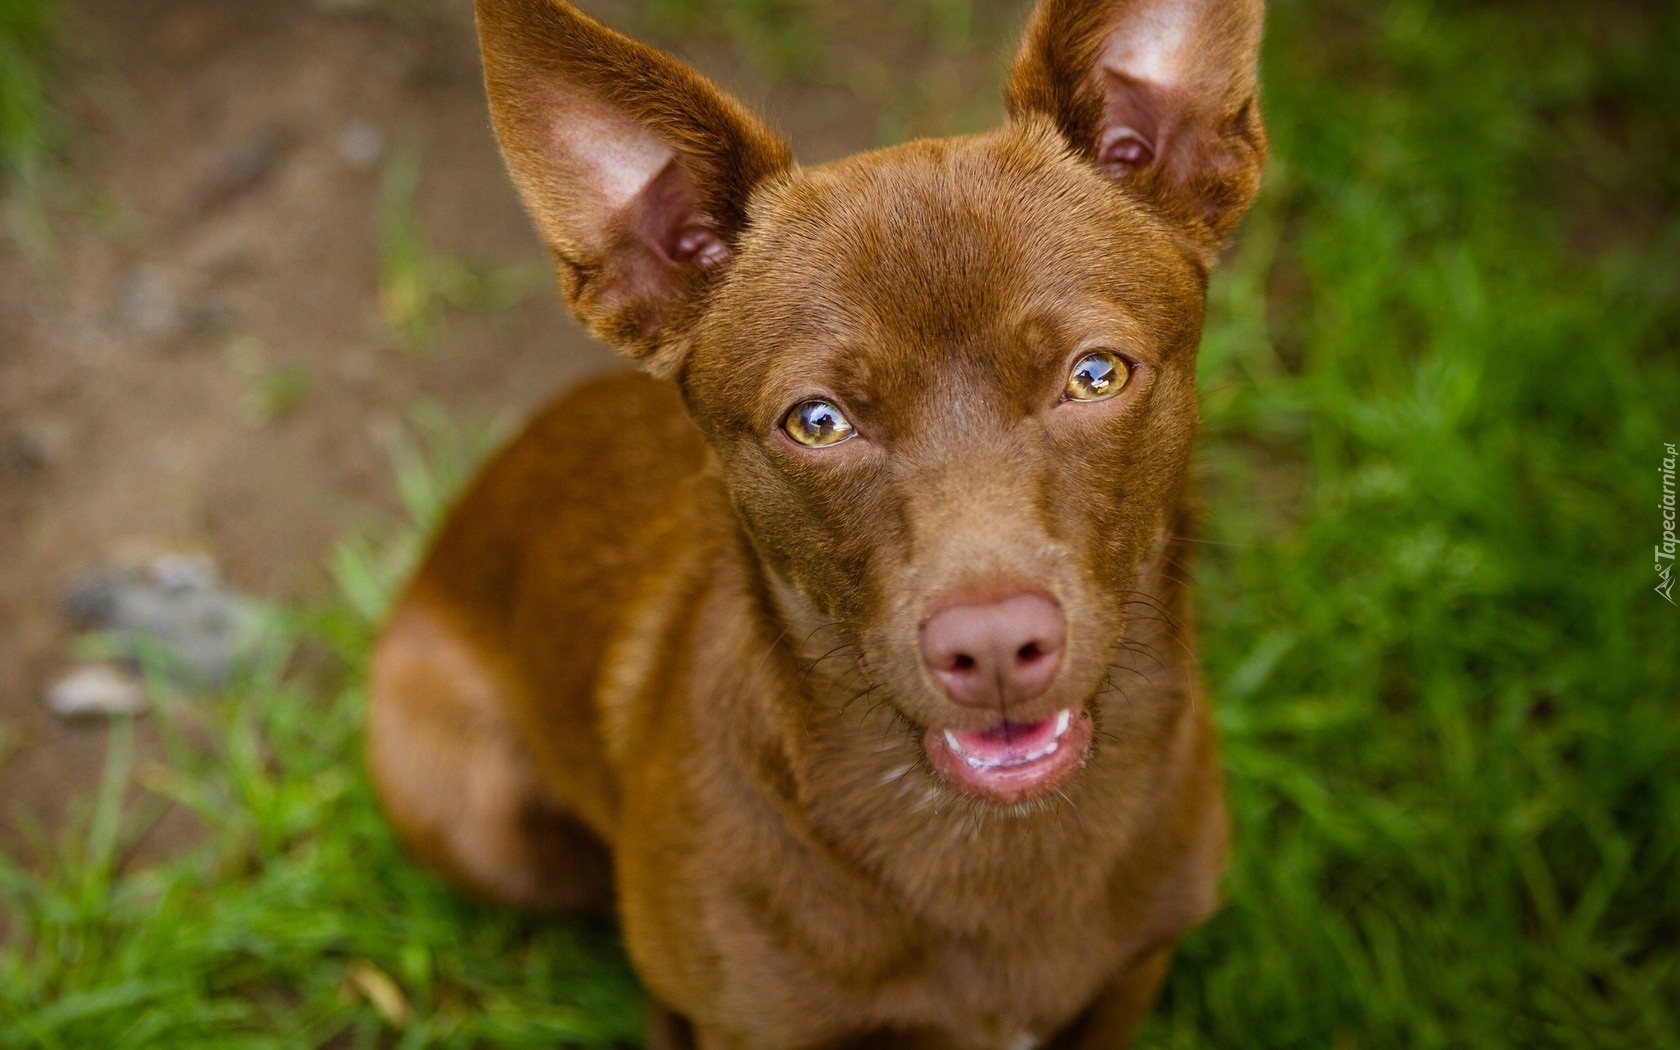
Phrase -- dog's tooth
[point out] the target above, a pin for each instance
(1043, 752)
(1062, 720)
(951, 739)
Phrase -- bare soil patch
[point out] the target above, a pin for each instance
(202, 363)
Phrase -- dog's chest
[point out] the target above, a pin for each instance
(822, 959)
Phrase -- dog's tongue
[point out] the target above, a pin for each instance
(1009, 743)
(1012, 761)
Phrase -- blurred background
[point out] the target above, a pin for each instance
(266, 296)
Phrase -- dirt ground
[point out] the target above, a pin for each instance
(225, 180)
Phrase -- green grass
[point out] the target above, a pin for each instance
(28, 53)
(1450, 698)
(32, 123)
(776, 34)
(298, 922)
(417, 284)
(268, 393)
(1440, 366)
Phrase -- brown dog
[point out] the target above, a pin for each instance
(853, 667)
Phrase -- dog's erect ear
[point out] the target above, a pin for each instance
(1162, 95)
(636, 169)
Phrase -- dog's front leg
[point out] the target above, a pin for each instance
(668, 1030)
(1120, 1009)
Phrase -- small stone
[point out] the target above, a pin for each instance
(185, 572)
(96, 691)
(21, 455)
(146, 304)
(360, 144)
(246, 165)
(31, 447)
(211, 318)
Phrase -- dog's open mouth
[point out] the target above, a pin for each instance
(1012, 761)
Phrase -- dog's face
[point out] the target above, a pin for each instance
(950, 384)
(950, 306)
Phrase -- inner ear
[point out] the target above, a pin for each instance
(666, 217)
(637, 171)
(661, 250)
(1134, 127)
(1160, 94)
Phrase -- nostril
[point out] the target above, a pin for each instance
(985, 654)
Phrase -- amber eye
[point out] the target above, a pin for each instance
(1097, 377)
(817, 424)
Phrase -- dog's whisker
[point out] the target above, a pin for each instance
(893, 776)
(1165, 616)
(1209, 543)
(855, 697)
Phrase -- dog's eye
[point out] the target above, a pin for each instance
(817, 424)
(1097, 377)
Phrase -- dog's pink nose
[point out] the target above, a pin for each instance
(992, 655)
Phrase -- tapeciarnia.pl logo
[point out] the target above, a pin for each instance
(1665, 549)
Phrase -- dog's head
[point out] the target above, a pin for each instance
(951, 383)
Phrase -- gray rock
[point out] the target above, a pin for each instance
(175, 614)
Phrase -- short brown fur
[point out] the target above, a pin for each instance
(663, 659)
